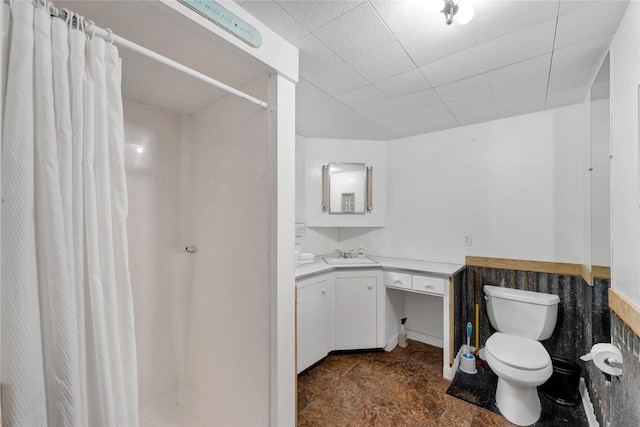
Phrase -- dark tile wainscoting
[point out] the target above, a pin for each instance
(583, 319)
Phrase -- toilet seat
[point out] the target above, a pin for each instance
(518, 352)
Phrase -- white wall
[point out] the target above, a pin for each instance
(600, 206)
(625, 77)
(153, 232)
(514, 184)
(283, 298)
(230, 326)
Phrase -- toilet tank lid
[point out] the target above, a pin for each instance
(539, 298)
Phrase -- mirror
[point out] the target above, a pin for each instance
(346, 188)
(599, 171)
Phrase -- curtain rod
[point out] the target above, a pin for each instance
(128, 44)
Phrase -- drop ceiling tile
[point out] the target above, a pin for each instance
(570, 6)
(463, 88)
(314, 55)
(324, 110)
(510, 94)
(274, 17)
(358, 31)
(362, 97)
(323, 68)
(403, 84)
(307, 120)
(572, 96)
(429, 114)
(497, 18)
(365, 131)
(350, 118)
(440, 124)
(518, 46)
(530, 69)
(404, 132)
(418, 100)
(454, 67)
(339, 79)
(580, 55)
(521, 106)
(573, 78)
(406, 17)
(397, 122)
(387, 61)
(308, 94)
(380, 112)
(437, 41)
(477, 116)
(589, 22)
(313, 14)
(471, 103)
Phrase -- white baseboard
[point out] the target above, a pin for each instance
(449, 373)
(586, 404)
(424, 338)
(392, 343)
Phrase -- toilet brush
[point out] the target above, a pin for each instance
(468, 361)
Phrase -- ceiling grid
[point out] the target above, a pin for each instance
(385, 69)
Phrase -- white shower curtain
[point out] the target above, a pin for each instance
(68, 353)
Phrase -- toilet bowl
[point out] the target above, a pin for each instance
(521, 365)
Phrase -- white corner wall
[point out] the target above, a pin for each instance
(514, 184)
(625, 78)
(152, 158)
(229, 363)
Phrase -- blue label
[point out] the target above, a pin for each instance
(226, 20)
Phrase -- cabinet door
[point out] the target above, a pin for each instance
(356, 313)
(313, 323)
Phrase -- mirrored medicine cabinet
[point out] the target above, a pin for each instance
(347, 188)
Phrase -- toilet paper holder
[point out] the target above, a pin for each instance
(606, 357)
(613, 362)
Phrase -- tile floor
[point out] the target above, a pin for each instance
(399, 388)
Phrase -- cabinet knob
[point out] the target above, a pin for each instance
(398, 282)
(428, 285)
(324, 291)
(370, 286)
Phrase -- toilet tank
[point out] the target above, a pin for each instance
(527, 314)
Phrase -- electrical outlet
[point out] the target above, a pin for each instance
(467, 239)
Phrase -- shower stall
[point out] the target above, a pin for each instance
(210, 219)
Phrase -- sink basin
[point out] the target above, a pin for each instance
(335, 260)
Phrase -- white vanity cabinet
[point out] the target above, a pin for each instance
(315, 320)
(359, 309)
(341, 310)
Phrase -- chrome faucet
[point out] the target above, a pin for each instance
(345, 254)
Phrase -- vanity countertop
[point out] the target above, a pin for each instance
(439, 268)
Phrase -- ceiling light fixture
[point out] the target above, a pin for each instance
(462, 12)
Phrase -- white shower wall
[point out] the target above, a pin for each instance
(228, 367)
(152, 150)
(201, 319)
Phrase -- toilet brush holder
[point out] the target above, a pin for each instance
(468, 364)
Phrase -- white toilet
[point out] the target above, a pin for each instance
(522, 318)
